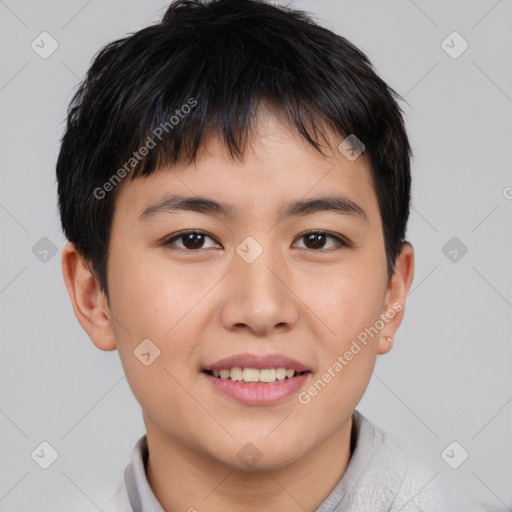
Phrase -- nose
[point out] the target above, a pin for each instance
(259, 296)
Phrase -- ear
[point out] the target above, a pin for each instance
(89, 302)
(394, 303)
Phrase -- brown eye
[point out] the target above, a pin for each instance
(191, 240)
(315, 240)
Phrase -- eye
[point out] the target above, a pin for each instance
(194, 240)
(314, 239)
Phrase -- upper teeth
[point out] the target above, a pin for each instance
(254, 375)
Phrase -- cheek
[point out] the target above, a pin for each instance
(346, 303)
(350, 308)
(151, 304)
(152, 296)
(146, 305)
(347, 350)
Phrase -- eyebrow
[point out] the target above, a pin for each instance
(176, 203)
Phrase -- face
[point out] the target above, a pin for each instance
(253, 280)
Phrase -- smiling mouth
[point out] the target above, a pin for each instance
(254, 375)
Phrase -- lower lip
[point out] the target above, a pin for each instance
(257, 394)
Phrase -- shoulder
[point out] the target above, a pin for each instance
(414, 485)
(426, 489)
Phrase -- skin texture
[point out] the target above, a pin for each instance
(307, 303)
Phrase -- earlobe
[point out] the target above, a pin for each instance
(396, 294)
(88, 301)
(385, 344)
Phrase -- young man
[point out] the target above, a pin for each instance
(234, 183)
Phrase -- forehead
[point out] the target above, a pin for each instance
(278, 168)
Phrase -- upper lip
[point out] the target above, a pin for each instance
(258, 361)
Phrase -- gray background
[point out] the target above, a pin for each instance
(448, 376)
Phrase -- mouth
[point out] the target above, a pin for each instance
(256, 386)
(257, 379)
(247, 375)
(256, 368)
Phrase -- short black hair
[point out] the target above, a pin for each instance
(204, 70)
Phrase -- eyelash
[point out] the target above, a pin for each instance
(341, 241)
